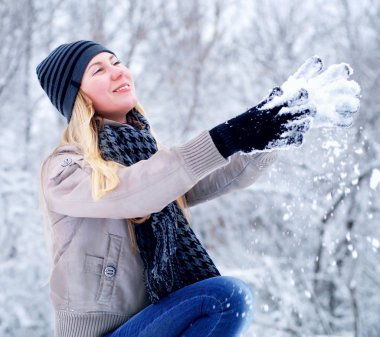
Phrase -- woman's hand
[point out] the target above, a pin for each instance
(334, 96)
(267, 125)
(312, 97)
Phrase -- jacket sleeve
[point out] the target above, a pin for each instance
(241, 171)
(145, 187)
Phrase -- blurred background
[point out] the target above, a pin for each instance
(306, 236)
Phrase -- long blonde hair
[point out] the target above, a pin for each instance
(82, 132)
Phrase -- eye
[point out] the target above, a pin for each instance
(97, 70)
(116, 62)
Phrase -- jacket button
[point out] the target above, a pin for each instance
(110, 271)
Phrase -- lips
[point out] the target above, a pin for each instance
(123, 87)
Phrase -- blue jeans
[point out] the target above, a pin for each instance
(219, 306)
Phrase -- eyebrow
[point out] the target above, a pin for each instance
(100, 62)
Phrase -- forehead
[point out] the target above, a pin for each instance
(101, 57)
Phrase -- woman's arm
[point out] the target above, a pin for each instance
(145, 187)
(242, 171)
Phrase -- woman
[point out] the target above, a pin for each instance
(126, 262)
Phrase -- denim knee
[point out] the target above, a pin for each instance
(240, 297)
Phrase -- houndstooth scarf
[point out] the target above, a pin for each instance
(172, 255)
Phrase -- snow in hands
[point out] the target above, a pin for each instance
(334, 97)
(312, 97)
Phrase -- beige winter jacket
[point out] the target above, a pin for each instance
(96, 283)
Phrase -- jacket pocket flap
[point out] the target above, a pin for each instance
(93, 264)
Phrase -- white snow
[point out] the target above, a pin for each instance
(335, 98)
(348, 236)
(375, 179)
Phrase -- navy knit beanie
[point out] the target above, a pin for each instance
(60, 74)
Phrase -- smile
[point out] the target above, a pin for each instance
(122, 88)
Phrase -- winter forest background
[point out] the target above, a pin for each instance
(306, 236)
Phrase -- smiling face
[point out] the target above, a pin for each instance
(109, 84)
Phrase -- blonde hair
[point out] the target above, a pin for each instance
(82, 131)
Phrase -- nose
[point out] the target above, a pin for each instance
(116, 73)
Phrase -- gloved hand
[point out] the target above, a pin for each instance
(311, 97)
(262, 128)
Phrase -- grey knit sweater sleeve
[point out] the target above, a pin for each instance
(241, 171)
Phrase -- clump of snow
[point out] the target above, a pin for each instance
(375, 179)
(334, 97)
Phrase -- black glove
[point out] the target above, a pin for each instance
(266, 126)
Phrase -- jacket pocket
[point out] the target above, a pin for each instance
(109, 269)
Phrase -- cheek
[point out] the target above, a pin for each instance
(95, 91)
(97, 88)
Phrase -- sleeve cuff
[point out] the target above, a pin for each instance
(264, 159)
(201, 155)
